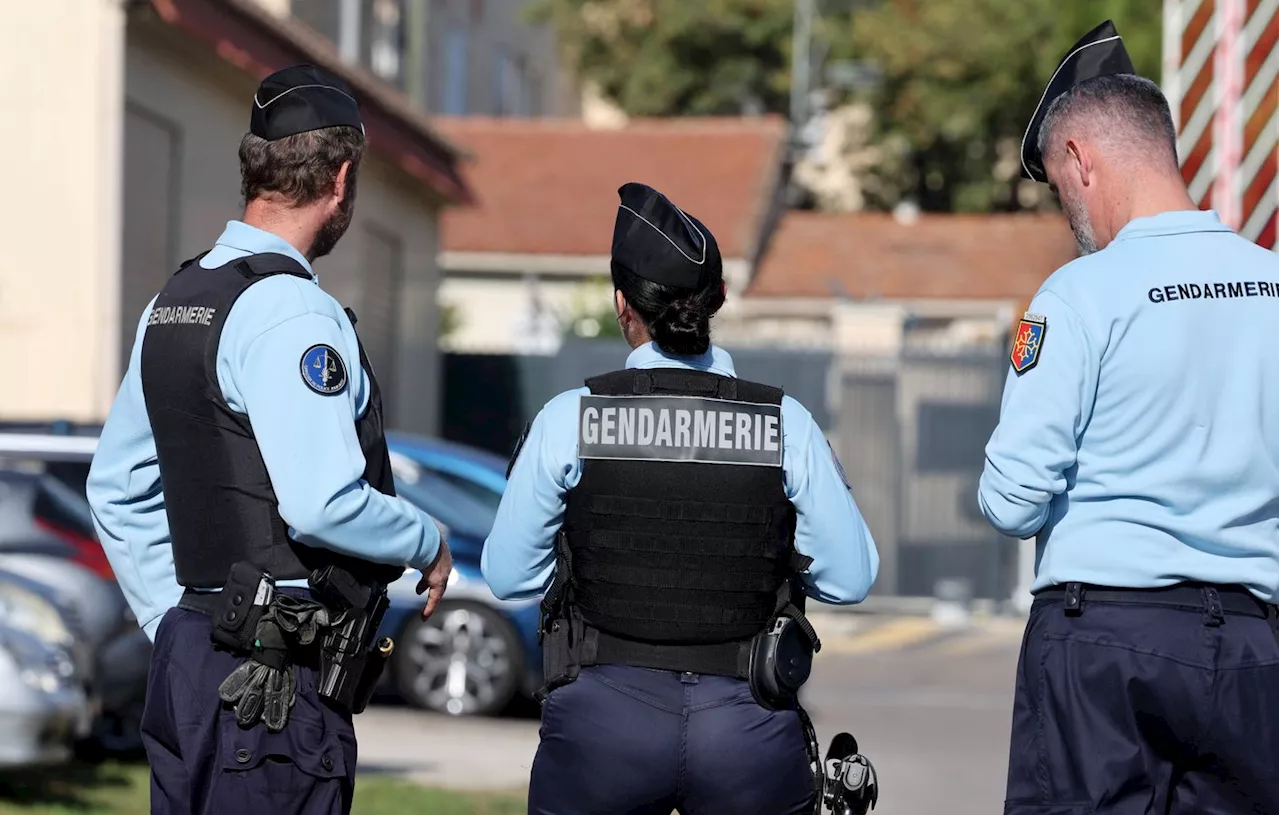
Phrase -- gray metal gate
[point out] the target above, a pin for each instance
(911, 431)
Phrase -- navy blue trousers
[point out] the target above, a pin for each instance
(203, 763)
(632, 741)
(1133, 710)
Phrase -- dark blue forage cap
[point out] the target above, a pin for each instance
(302, 98)
(1101, 52)
(656, 240)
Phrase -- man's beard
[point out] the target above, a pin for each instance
(333, 229)
(1078, 218)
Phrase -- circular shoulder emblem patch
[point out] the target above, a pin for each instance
(323, 370)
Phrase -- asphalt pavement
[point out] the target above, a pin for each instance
(928, 702)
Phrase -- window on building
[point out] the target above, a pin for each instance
(511, 95)
(322, 15)
(386, 42)
(453, 72)
(533, 91)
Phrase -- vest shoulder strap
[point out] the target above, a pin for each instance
(189, 262)
(258, 266)
(268, 264)
(659, 381)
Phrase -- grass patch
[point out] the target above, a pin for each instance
(124, 789)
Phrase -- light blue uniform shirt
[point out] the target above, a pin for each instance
(519, 556)
(1141, 449)
(308, 441)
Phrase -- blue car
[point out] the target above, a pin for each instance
(477, 652)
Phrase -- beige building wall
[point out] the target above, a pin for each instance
(60, 228)
(495, 311)
(186, 113)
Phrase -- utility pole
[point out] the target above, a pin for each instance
(416, 73)
(801, 44)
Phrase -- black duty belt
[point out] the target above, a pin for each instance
(203, 602)
(1205, 597)
(208, 602)
(722, 659)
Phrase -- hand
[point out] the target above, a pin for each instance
(434, 578)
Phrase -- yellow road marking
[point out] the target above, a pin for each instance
(994, 634)
(899, 633)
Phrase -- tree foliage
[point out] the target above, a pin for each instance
(677, 57)
(959, 78)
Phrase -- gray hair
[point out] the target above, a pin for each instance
(1127, 112)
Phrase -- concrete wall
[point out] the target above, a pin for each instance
(202, 103)
(60, 226)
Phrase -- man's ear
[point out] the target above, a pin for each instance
(619, 302)
(1080, 161)
(340, 181)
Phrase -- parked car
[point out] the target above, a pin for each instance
(43, 705)
(47, 536)
(477, 652)
(472, 657)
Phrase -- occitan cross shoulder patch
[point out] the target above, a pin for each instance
(1027, 342)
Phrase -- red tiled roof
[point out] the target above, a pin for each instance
(865, 255)
(549, 186)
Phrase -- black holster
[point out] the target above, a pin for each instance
(350, 664)
(560, 627)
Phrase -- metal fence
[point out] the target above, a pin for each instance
(910, 431)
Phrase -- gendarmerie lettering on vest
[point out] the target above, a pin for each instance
(181, 315)
(679, 428)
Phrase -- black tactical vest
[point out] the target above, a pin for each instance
(680, 531)
(217, 493)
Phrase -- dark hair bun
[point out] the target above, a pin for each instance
(679, 321)
(683, 328)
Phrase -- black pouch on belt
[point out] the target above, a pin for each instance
(781, 656)
(781, 660)
(243, 599)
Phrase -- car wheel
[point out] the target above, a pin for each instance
(463, 661)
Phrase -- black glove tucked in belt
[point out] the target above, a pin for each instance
(263, 688)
